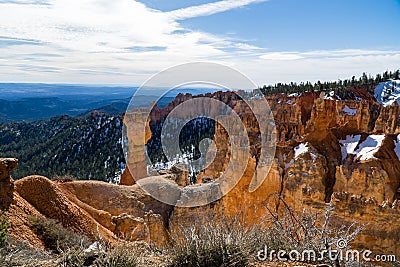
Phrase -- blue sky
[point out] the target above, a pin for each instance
(305, 25)
(127, 41)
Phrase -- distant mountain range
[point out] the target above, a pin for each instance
(34, 102)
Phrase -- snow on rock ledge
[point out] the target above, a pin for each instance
(397, 147)
(365, 150)
(349, 111)
(388, 92)
(349, 145)
(369, 147)
(302, 149)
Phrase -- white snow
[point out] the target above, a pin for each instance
(289, 102)
(365, 150)
(287, 164)
(369, 147)
(329, 96)
(294, 95)
(349, 145)
(388, 92)
(397, 146)
(300, 149)
(349, 111)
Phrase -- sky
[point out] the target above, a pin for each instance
(125, 42)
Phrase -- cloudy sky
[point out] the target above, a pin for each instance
(127, 41)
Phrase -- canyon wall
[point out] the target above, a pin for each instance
(343, 152)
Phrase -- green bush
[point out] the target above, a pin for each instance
(54, 236)
(3, 228)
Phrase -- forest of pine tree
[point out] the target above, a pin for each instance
(340, 87)
(87, 148)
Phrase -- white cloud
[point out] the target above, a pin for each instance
(319, 65)
(115, 39)
(326, 54)
(209, 8)
(281, 56)
(124, 42)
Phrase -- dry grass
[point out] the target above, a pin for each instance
(16, 253)
(211, 243)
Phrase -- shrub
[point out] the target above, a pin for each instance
(121, 256)
(212, 243)
(16, 253)
(55, 237)
(74, 257)
(3, 228)
(306, 230)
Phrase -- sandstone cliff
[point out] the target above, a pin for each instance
(339, 151)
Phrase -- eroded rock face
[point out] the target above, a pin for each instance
(51, 201)
(130, 228)
(127, 211)
(138, 133)
(305, 176)
(363, 184)
(7, 165)
(92, 208)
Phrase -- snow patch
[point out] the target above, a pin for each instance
(287, 164)
(397, 146)
(294, 95)
(369, 147)
(349, 145)
(329, 96)
(289, 102)
(388, 92)
(300, 149)
(349, 111)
